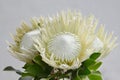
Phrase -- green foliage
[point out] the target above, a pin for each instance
(95, 66)
(26, 78)
(10, 68)
(95, 55)
(34, 69)
(39, 69)
(95, 76)
(88, 62)
(83, 71)
(88, 69)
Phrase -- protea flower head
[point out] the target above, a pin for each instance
(63, 41)
(23, 48)
(68, 39)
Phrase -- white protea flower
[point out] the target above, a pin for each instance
(66, 41)
(23, 48)
(63, 41)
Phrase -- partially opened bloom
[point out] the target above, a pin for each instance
(23, 48)
(108, 41)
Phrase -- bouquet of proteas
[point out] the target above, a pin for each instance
(63, 47)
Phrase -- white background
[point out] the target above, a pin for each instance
(12, 12)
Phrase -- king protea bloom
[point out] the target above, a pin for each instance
(68, 39)
(23, 48)
(63, 41)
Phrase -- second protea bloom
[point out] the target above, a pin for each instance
(23, 48)
(108, 41)
(68, 39)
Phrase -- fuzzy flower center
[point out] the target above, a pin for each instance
(65, 46)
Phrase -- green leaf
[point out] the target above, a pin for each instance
(75, 75)
(26, 78)
(95, 66)
(35, 70)
(79, 78)
(27, 65)
(83, 78)
(26, 74)
(88, 62)
(10, 68)
(38, 60)
(94, 56)
(76, 78)
(95, 76)
(83, 71)
(46, 68)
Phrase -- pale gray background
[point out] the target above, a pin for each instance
(12, 12)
